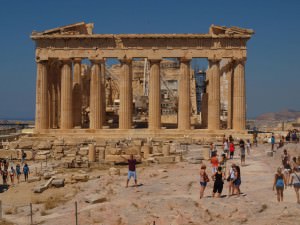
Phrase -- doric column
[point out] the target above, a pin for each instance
(66, 95)
(239, 95)
(96, 98)
(103, 94)
(77, 97)
(229, 75)
(154, 96)
(184, 108)
(213, 122)
(125, 110)
(42, 113)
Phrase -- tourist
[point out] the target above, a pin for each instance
(4, 176)
(242, 152)
(131, 170)
(26, 171)
(223, 162)
(230, 179)
(280, 144)
(295, 181)
(294, 136)
(23, 156)
(231, 150)
(18, 172)
(203, 180)
(255, 139)
(226, 148)
(272, 142)
(279, 182)
(213, 149)
(293, 163)
(218, 177)
(214, 163)
(230, 138)
(286, 165)
(12, 174)
(237, 180)
(248, 146)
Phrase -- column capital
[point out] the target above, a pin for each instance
(154, 61)
(97, 60)
(214, 60)
(65, 60)
(42, 61)
(125, 60)
(77, 60)
(185, 60)
(239, 59)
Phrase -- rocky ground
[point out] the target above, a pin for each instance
(167, 194)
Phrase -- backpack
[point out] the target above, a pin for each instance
(24, 155)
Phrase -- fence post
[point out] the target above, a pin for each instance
(76, 216)
(31, 220)
(0, 210)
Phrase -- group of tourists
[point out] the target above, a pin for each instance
(8, 171)
(287, 175)
(233, 179)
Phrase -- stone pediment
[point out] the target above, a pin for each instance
(217, 30)
(72, 29)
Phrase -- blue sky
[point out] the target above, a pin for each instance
(272, 69)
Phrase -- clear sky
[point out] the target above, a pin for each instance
(272, 69)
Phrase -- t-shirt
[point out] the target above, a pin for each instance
(296, 180)
(242, 144)
(214, 161)
(231, 147)
(131, 164)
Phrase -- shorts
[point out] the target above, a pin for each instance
(218, 187)
(203, 184)
(297, 185)
(237, 182)
(131, 174)
(243, 157)
(279, 187)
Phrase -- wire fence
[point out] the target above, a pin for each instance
(32, 214)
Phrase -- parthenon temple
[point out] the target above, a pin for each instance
(152, 87)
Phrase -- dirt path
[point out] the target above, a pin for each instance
(169, 194)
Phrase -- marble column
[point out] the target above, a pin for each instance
(239, 96)
(103, 94)
(77, 96)
(213, 120)
(154, 96)
(229, 75)
(66, 95)
(42, 112)
(125, 110)
(96, 98)
(184, 105)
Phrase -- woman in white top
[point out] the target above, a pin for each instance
(295, 180)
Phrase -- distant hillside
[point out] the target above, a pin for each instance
(286, 114)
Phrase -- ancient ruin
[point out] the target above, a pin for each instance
(74, 98)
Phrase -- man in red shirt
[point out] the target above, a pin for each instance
(131, 170)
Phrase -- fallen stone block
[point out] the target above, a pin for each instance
(39, 189)
(47, 152)
(119, 159)
(165, 159)
(83, 151)
(25, 144)
(59, 149)
(8, 154)
(80, 177)
(95, 198)
(41, 157)
(33, 179)
(113, 151)
(59, 182)
(114, 171)
(45, 145)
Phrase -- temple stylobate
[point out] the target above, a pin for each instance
(60, 53)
